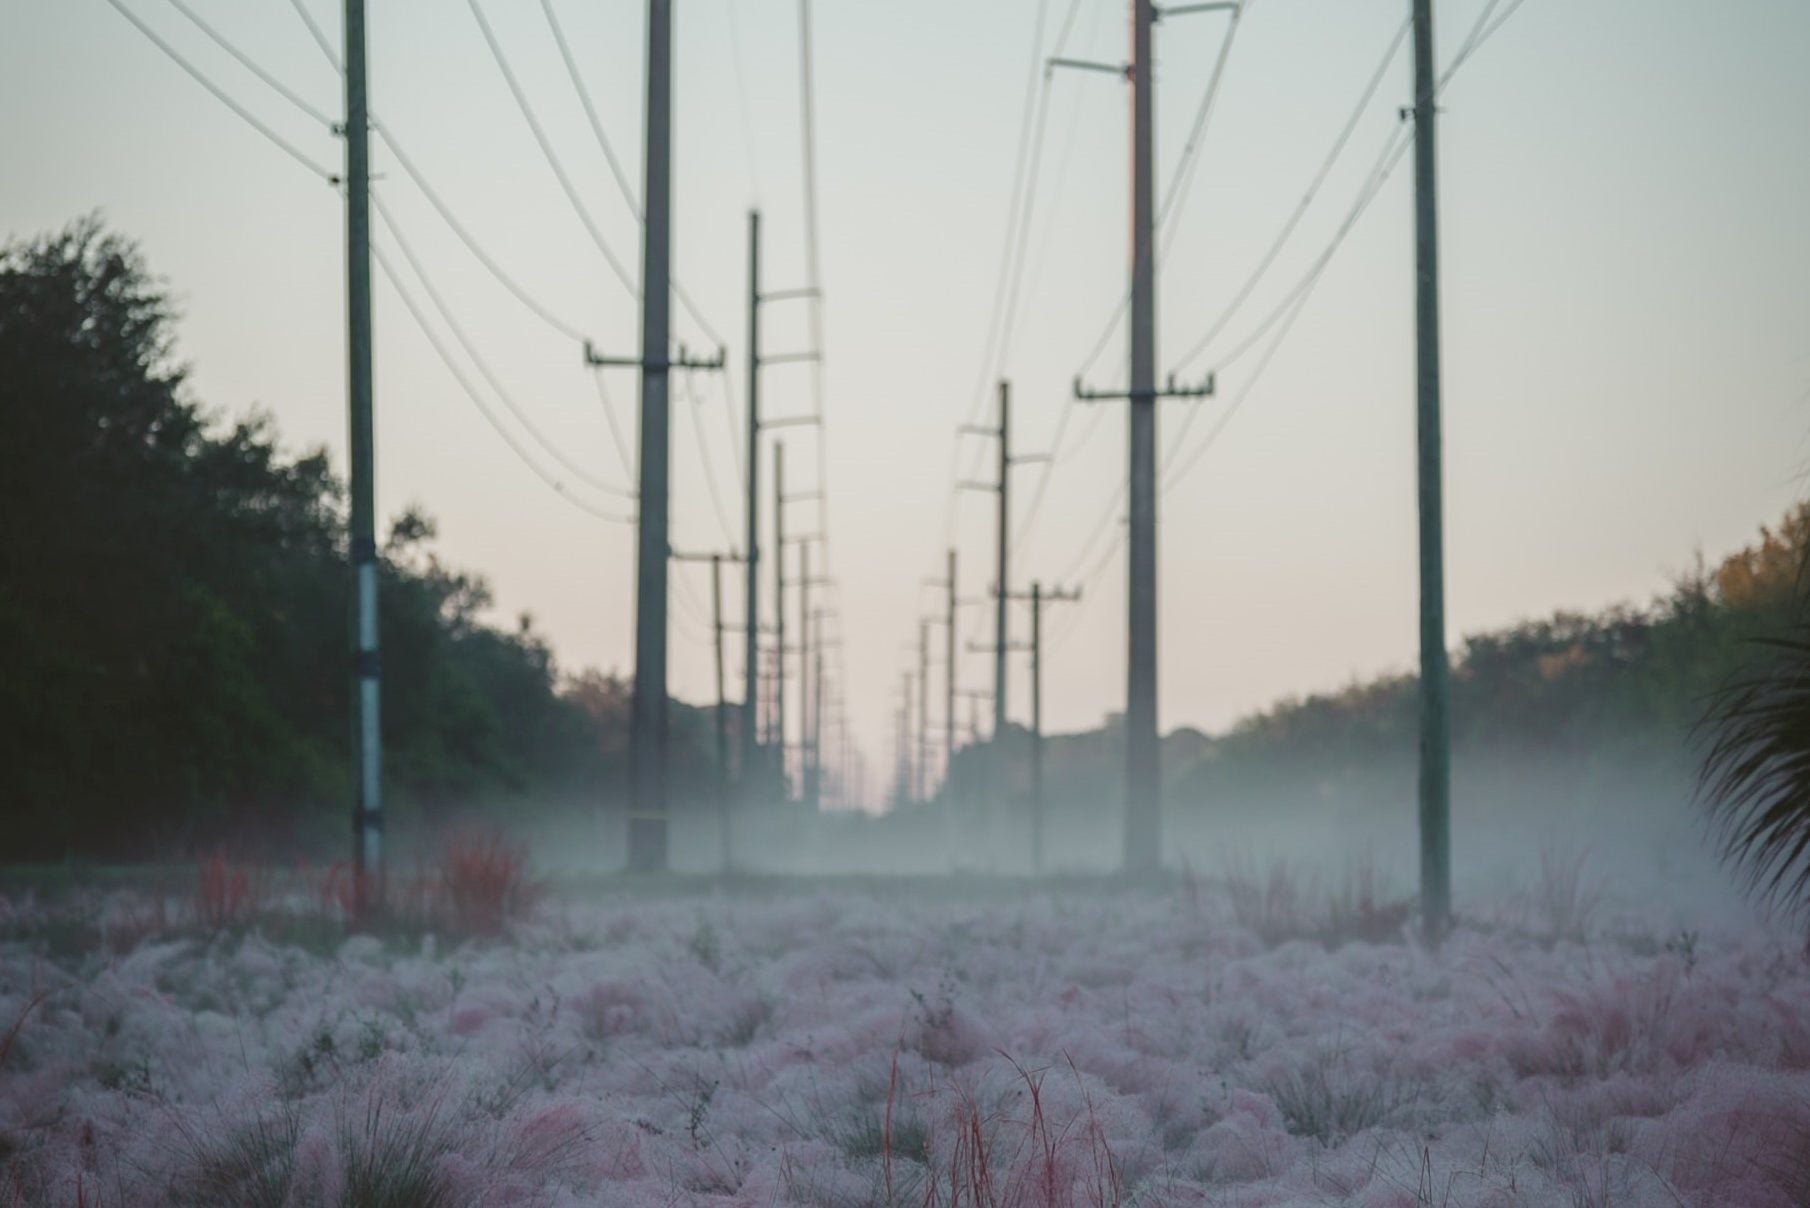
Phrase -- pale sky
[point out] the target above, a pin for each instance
(1626, 259)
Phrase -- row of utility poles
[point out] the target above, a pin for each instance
(1143, 772)
(648, 813)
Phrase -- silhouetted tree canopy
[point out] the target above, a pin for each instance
(174, 609)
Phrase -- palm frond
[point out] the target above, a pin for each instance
(1755, 777)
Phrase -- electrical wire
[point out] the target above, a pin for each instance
(609, 154)
(465, 341)
(609, 414)
(250, 65)
(221, 95)
(434, 198)
(477, 399)
(547, 151)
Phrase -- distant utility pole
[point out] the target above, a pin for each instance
(947, 621)
(1002, 487)
(949, 672)
(367, 741)
(1038, 598)
(722, 708)
(756, 424)
(1435, 715)
(718, 627)
(778, 733)
(924, 709)
(751, 568)
(1143, 773)
(649, 705)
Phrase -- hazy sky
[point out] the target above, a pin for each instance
(1626, 275)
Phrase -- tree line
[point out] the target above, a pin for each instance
(175, 611)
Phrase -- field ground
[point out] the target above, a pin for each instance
(1241, 1041)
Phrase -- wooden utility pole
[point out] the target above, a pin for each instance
(1038, 598)
(949, 673)
(751, 567)
(649, 705)
(367, 731)
(1435, 716)
(923, 777)
(1143, 773)
(722, 708)
(649, 729)
(778, 733)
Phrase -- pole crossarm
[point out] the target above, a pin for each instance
(1122, 70)
(1048, 595)
(1170, 389)
(789, 358)
(791, 421)
(786, 295)
(1183, 10)
(681, 360)
(693, 556)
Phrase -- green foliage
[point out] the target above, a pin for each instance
(175, 609)
(1606, 689)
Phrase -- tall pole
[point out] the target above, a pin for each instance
(817, 720)
(751, 568)
(804, 671)
(1435, 718)
(777, 735)
(367, 733)
(1002, 584)
(949, 679)
(1143, 807)
(1036, 727)
(722, 705)
(648, 707)
(923, 710)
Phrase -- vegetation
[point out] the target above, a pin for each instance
(174, 610)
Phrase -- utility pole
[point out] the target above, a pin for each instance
(778, 733)
(1143, 774)
(1435, 716)
(923, 710)
(649, 705)
(751, 569)
(804, 673)
(647, 838)
(722, 707)
(947, 621)
(1143, 806)
(718, 629)
(1002, 488)
(367, 732)
(1038, 598)
(815, 788)
(949, 682)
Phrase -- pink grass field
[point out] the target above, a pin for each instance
(849, 1047)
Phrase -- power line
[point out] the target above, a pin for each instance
(590, 110)
(552, 157)
(477, 399)
(1319, 179)
(692, 403)
(250, 65)
(470, 347)
(741, 92)
(609, 154)
(609, 414)
(496, 270)
(221, 95)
